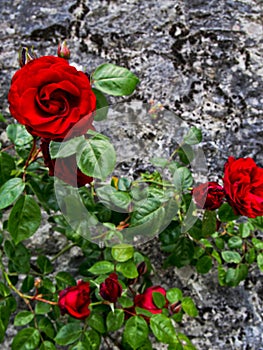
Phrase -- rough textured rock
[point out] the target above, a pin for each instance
(202, 59)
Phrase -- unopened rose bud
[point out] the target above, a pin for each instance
(63, 50)
(37, 283)
(111, 289)
(176, 307)
(142, 268)
(25, 55)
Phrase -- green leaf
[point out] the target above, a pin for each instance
(68, 334)
(28, 284)
(245, 228)
(250, 255)
(194, 136)
(182, 254)
(64, 279)
(173, 295)
(209, 223)
(2, 330)
(221, 275)
(42, 308)
(18, 134)
(234, 276)
(44, 264)
(114, 320)
(7, 164)
(159, 299)
(93, 339)
(116, 200)
(187, 345)
(47, 345)
(23, 318)
(122, 252)
(169, 236)
(163, 329)
(220, 243)
(114, 80)
(24, 219)
(80, 346)
(235, 242)
(257, 243)
(186, 154)
(46, 326)
(128, 269)
(125, 302)
(102, 106)
(231, 257)
(136, 332)
(19, 257)
(26, 339)
(226, 213)
(182, 179)
(97, 322)
(204, 264)
(102, 267)
(66, 148)
(260, 261)
(97, 157)
(189, 307)
(10, 191)
(4, 290)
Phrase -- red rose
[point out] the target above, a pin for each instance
(145, 300)
(64, 168)
(49, 97)
(243, 184)
(111, 289)
(75, 300)
(208, 195)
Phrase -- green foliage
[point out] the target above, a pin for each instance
(114, 80)
(125, 212)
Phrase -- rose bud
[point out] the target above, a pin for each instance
(142, 268)
(75, 300)
(111, 289)
(145, 300)
(63, 50)
(209, 195)
(25, 56)
(243, 185)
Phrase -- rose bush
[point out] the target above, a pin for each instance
(113, 294)
(65, 169)
(75, 300)
(243, 184)
(52, 99)
(208, 195)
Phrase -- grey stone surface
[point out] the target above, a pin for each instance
(202, 59)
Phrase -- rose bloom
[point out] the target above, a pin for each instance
(243, 184)
(65, 169)
(209, 195)
(111, 289)
(49, 97)
(145, 300)
(75, 300)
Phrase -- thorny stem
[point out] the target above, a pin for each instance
(66, 248)
(32, 156)
(25, 297)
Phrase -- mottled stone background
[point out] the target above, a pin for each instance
(202, 59)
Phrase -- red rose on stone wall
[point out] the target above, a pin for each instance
(75, 300)
(49, 97)
(208, 195)
(145, 300)
(243, 184)
(65, 169)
